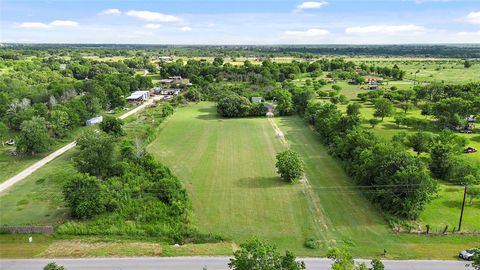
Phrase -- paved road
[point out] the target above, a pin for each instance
(197, 263)
(37, 165)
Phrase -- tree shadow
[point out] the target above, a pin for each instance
(452, 204)
(260, 182)
(207, 110)
(210, 116)
(475, 139)
(386, 125)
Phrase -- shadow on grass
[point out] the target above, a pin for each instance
(475, 139)
(387, 125)
(452, 204)
(261, 182)
(210, 116)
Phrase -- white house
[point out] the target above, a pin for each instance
(139, 96)
(164, 58)
(93, 121)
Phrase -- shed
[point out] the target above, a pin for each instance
(93, 121)
(170, 91)
(165, 81)
(176, 78)
(256, 99)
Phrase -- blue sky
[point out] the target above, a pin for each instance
(240, 22)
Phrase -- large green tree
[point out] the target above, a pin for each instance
(59, 123)
(420, 142)
(33, 137)
(233, 106)
(85, 196)
(383, 108)
(289, 165)
(112, 125)
(284, 102)
(95, 155)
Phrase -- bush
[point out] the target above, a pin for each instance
(311, 243)
(53, 266)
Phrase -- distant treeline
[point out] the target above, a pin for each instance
(417, 50)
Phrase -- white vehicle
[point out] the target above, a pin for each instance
(469, 253)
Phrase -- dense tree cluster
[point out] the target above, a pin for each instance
(391, 177)
(234, 105)
(63, 93)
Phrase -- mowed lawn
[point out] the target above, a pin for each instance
(228, 166)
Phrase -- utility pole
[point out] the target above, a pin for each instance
(465, 184)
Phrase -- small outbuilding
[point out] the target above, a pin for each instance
(170, 91)
(165, 81)
(175, 78)
(94, 121)
(471, 118)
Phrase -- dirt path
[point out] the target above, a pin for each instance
(39, 164)
(314, 200)
(278, 132)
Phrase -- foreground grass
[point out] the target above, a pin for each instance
(38, 199)
(50, 246)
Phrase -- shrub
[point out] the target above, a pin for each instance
(311, 243)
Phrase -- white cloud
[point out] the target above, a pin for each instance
(40, 25)
(33, 25)
(429, 1)
(310, 33)
(152, 26)
(58, 23)
(152, 16)
(469, 33)
(311, 5)
(186, 29)
(110, 11)
(385, 29)
(473, 17)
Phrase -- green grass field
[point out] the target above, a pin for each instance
(38, 199)
(228, 168)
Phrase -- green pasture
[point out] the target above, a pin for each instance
(228, 168)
